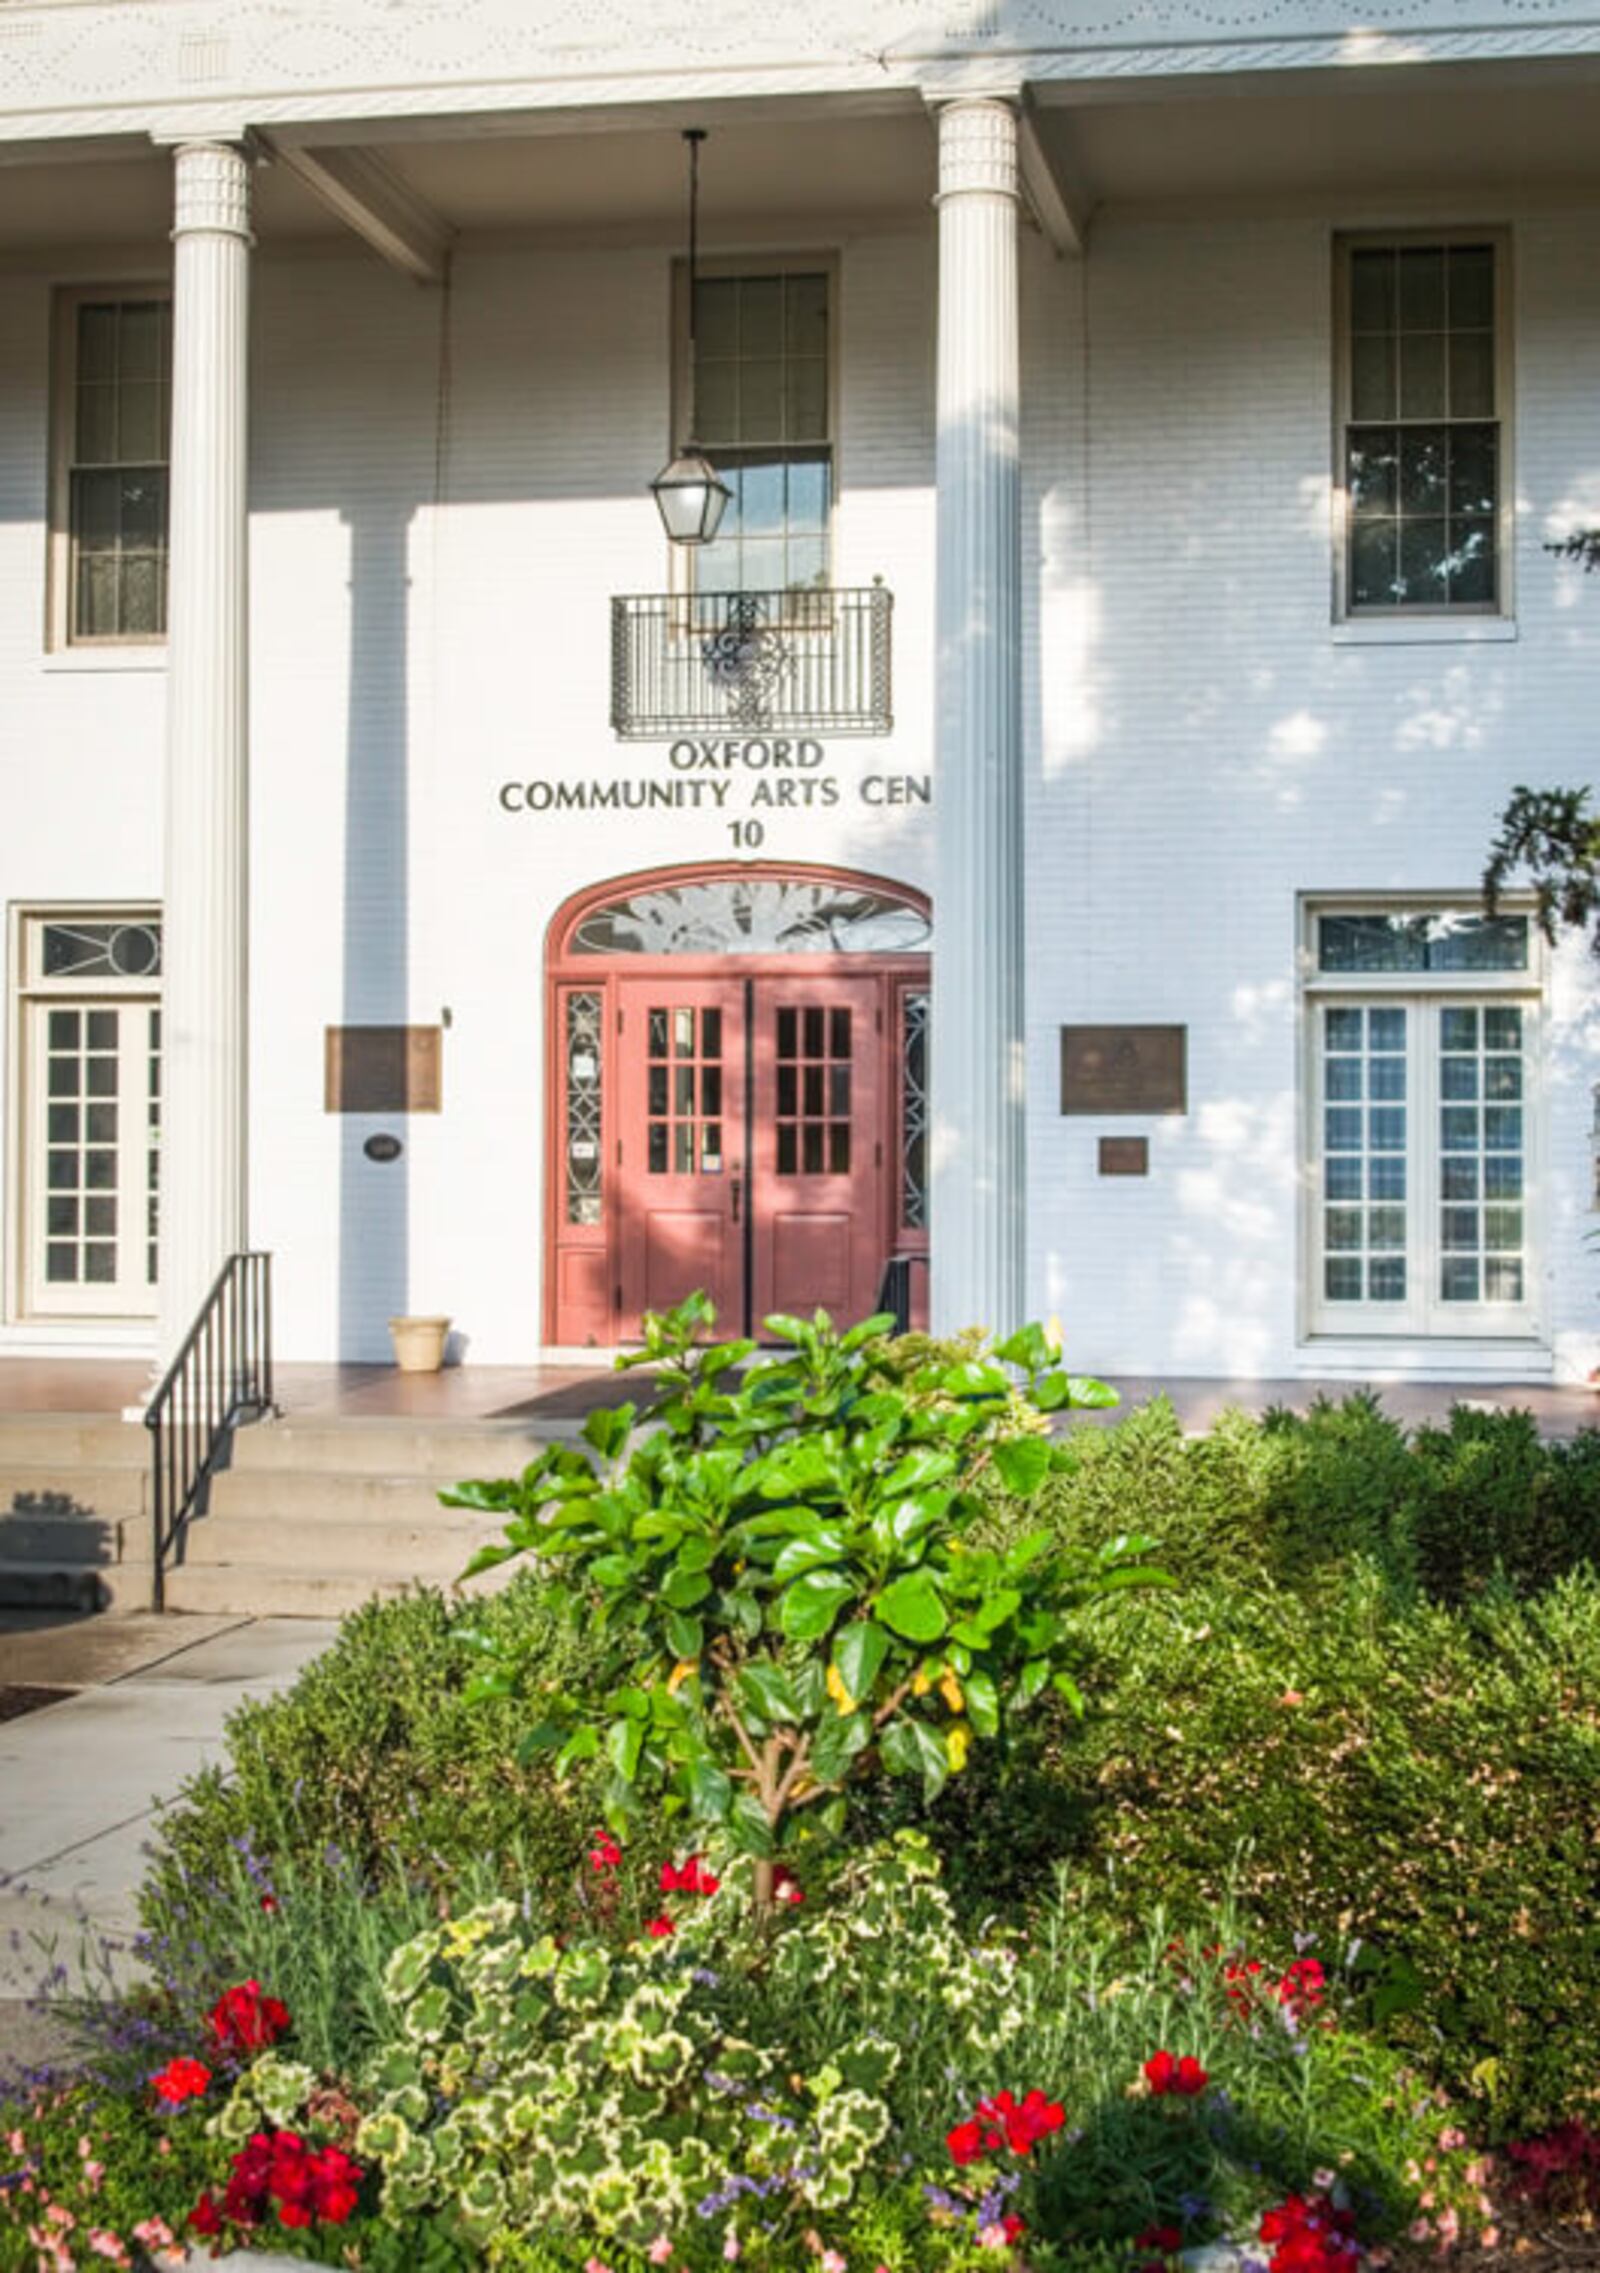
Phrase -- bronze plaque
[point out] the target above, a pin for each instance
(382, 1069)
(1124, 1156)
(1124, 1069)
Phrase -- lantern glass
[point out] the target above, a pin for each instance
(691, 497)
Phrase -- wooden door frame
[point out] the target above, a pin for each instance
(567, 972)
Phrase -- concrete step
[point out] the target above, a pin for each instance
(448, 1450)
(270, 1495)
(60, 1538)
(437, 1552)
(69, 1487)
(72, 1440)
(242, 1588)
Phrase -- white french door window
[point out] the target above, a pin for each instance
(90, 1033)
(1423, 1126)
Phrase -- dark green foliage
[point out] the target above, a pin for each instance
(372, 1760)
(1552, 837)
(1487, 1497)
(1422, 1781)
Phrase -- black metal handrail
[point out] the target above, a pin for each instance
(221, 1376)
(813, 660)
(894, 1288)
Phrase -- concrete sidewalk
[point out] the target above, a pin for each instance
(82, 1779)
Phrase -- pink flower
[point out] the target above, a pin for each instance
(1419, 2229)
(832, 2262)
(730, 2247)
(660, 2251)
(1490, 2237)
(155, 2233)
(94, 2172)
(107, 2245)
(992, 2237)
(1451, 2137)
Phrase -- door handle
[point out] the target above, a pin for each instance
(738, 1190)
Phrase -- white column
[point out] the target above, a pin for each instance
(978, 1230)
(203, 1034)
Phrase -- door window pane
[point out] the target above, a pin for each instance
(1363, 1230)
(814, 1045)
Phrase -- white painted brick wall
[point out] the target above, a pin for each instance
(432, 576)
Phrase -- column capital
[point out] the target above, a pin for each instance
(211, 189)
(978, 146)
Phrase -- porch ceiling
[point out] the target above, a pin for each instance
(1356, 140)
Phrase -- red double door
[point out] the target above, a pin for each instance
(752, 1135)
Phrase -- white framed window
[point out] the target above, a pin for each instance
(112, 417)
(1422, 1030)
(760, 401)
(87, 1110)
(1422, 471)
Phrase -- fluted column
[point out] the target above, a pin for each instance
(203, 1206)
(978, 1230)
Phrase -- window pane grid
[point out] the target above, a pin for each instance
(1481, 1154)
(117, 481)
(1365, 1131)
(814, 1081)
(685, 1093)
(1421, 462)
(761, 409)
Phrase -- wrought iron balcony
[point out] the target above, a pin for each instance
(806, 662)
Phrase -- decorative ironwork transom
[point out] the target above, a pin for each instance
(754, 916)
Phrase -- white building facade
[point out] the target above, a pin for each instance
(1040, 835)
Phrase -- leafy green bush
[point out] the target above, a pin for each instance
(1421, 1783)
(781, 1584)
(1490, 1498)
(372, 1760)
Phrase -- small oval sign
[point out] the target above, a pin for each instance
(382, 1148)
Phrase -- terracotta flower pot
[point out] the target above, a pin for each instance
(418, 1343)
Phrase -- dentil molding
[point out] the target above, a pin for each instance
(143, 65)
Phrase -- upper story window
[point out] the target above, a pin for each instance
(1423, 474)
(763, 410)
(109, 506)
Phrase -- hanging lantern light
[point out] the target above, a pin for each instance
(690, 494)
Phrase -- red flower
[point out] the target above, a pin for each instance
(1001, 2122)
(243, 2020)
(659, 1928)
(965, 2142)
(1168, 2239)
(605, 1854)
(180, 2080)
(205, 2217)
(786, 1887)
(335, 2184)
(1311, 2235)
(244, 2198)
(269, 1903)
(1012, 2226)
(1303, 1987)
(691, 1878)
(1175, 2079)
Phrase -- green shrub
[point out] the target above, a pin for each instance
(372, 1761)
(1421, 1783)
(1489, 1498)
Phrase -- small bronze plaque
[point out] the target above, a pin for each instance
(382, 1069)
(1124, 1156)
(1124, 1069)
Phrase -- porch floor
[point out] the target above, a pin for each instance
(564, 1393)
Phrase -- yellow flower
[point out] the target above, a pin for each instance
(839, 1693)
(950, 1691)
(681, 1672)
(956, 1742)
(920, 1684)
